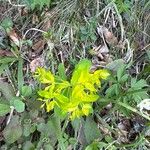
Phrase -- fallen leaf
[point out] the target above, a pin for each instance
(14, 37)
(39, 46)
(109, 36)
(13, 130)
(38, 62)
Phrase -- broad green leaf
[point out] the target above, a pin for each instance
(138, 84)
(48, 147)
(111, 90)
(26, 129)
(28, 146)
(18, 104)
(7, 90)
(26, 91)
(93, 146)
(4, 109)
(115, 64)
(49, 130)
(91, 131)
(13, 130)
(124, 78)
(7, 23)
(120, 72)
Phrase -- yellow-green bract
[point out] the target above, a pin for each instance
(75, 96)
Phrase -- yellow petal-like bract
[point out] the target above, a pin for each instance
(74, 97)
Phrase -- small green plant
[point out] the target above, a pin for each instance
(38, 3)
(123, 5)
(75, 96)
(87, 32)
(126, 90)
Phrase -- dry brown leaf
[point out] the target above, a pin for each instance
(100, 51)
(5, 53)
(109, 36)
(14, 37)
(39, 46)
(37, 62)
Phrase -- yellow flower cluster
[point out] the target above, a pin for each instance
(74, 97)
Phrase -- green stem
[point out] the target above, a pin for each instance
(65, 124)
(59, 133)
(133, 110)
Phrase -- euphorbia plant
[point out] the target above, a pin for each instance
(73, 96)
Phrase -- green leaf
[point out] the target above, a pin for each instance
(18, 104)
(44, 76)
(28, 146)
(91, 131)
(114, 65)
(124, 78)
(48, 147)
(26, 91)
(7, 90)
(93, 146)
(39, 3)
(6, 60)
(61, 71)
(61, 98)
(20, 74)
(49, 130)
(80, 71)
(138, 84)
(120, 72)
(111, 90)
(4, 109)
(2, 68)
(26, 129)
(13, 130)
(7, 23)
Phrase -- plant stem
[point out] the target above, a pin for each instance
(133, 110)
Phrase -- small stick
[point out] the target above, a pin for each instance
(10, 115)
